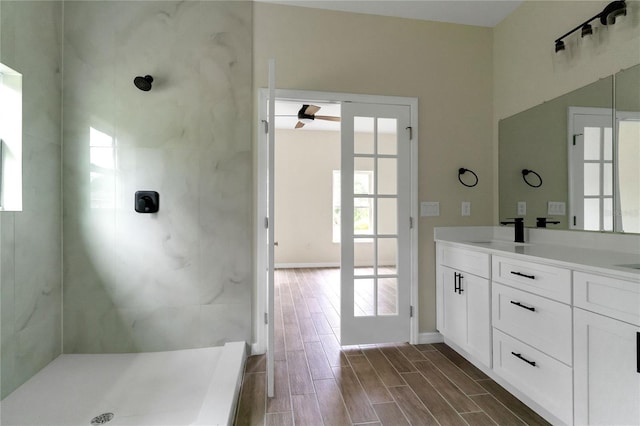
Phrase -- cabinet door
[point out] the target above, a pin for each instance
(478, 317)
(606, 377)
(454, 308)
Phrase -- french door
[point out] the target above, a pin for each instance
(375, 215)
(591, 158)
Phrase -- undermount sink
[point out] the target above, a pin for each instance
(499, 242)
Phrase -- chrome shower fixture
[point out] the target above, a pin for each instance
(607, 17)
(143, 83)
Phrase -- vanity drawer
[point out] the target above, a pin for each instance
(542, 378)
(544, 280)
(537, 321)
(471, 261)
(612, 297)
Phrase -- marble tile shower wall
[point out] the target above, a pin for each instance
(180, 278)
(30, 240)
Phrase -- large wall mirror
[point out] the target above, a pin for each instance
(585, 146)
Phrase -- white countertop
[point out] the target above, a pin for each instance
(593, 252)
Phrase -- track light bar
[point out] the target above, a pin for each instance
(607, 17)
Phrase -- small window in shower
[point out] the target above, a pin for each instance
(10, 139)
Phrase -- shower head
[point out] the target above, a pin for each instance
(143, 83)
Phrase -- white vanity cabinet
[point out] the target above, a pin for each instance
(606, 350)
(531, 318)
(463, 300)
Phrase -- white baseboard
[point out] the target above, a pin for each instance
(256, 350)
(307, 265)
(432, 337)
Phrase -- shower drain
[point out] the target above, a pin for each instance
(102, 419)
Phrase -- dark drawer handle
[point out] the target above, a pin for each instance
(519, 356)
(529, 308)
(520, 274)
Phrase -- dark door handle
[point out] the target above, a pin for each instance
(460, 289)
(519, 356)
(529, 308)
(638, 351)
(520, 274)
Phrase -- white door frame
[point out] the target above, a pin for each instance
(261, 178)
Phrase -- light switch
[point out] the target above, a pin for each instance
(429, 208)
(466, 208)
(557, 208)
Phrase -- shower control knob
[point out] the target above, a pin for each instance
(147, 201)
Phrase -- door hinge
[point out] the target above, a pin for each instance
(266, 222)
(575, 137)
(410, 129)
(266, 318)
(266, 126)
(410, 222)
(410, 311)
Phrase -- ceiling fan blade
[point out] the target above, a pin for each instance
(299, 124)
(311, 109)
(327, 117)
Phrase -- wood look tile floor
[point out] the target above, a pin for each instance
(317, 382)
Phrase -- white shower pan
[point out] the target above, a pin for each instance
(184, 387)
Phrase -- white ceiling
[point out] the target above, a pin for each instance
(482, 13)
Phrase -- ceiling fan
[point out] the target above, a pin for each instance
(308, 113)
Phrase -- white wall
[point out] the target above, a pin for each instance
(305, 161)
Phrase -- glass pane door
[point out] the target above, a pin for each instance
(375, 233)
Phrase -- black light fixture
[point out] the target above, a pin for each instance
(607, 17)
(587, 29)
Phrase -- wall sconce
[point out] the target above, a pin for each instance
(525, 173)
(462, 171)
(607, 17)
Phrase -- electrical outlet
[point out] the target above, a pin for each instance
(466, 208)
(522, 208)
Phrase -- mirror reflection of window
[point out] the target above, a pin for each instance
(102, 159)
(629, 170)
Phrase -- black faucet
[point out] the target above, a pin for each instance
(541, 222)
(518, 226)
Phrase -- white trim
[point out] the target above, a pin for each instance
(261, 194)
(256, 350)
(431, 337)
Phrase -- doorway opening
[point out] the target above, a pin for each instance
(309, 200)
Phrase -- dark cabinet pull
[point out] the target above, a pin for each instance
(520, 274)
(529, 308)
(457, 282)
(638, 351)
(519, 356)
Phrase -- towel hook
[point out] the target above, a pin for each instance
(525, 172)
(462, 171)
